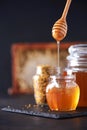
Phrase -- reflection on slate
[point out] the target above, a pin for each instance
(43, 111)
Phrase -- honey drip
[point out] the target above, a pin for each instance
(58, 49)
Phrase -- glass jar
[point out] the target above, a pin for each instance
(40, 81)
(77, 61)
(62, 92)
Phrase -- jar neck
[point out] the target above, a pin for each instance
(61, 78)
(62, 74)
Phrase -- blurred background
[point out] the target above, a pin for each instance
(32, 21)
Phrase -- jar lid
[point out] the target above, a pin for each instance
(77, 58)
(77, 50)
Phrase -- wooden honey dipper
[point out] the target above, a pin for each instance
(59, 29)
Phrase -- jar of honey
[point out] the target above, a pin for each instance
(77, 61)
(62, 92)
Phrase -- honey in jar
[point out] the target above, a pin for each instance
(77, 62)
(62, 93)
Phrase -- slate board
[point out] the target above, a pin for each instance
(43, 111)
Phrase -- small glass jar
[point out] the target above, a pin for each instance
(77, 62)
(62, 92)
(40, 81)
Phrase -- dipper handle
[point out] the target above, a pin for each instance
(66, 9)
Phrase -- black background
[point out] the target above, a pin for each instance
(32, 21)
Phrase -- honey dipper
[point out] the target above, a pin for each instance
(59, 29)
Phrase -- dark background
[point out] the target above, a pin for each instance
(32, 21)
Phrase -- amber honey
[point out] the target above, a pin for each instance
(63, 99)
(77, 61)
(81, 79)
(63, 93)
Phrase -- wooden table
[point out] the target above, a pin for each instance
(15, 121)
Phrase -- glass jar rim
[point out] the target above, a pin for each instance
(78, 49)
(61, 77)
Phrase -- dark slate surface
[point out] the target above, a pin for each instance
(44, 111)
